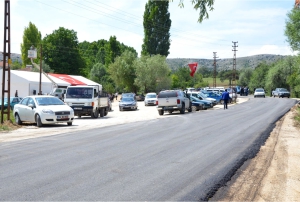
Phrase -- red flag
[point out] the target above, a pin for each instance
(193, 67)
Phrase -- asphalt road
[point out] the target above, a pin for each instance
(176, 158)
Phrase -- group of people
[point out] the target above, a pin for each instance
(244, 91)
(113, 96)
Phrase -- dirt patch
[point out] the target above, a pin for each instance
(8, 126)
(274, 174)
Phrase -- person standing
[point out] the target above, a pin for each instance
(225, 98)
(16, 93)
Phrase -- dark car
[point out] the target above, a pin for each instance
(140, 97)
(216, 96)
(204, 103)
(128, 103)
(13, 102)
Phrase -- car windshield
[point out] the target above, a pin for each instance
(151, 96)
(203, 95)
(259, 90)
(43, 101)
(79, 92)
(283, 89)
(127, 99)
(195, 99)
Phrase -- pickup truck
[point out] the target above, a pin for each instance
(87, 100)
(173, 100)
(281, 92)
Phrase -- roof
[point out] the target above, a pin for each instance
(35, 77)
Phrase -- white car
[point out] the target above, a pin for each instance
(43, 110)
(259, 92)
(150, 99)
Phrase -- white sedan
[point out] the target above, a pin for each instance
(259, 92)
(43, 110)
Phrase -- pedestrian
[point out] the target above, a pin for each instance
(16, 94)
(116, 95)
(242, 91)
(225, 98)
(246, 91)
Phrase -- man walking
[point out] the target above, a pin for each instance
(225, 98)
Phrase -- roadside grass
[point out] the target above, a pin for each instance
(219, 83)
(297, 115)
(8, 124)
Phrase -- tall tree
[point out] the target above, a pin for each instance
(31, 36)
(157, 25)
(152, 73)
(292, 29)
(122, 71)
(61, 53)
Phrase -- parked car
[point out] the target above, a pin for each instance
(232, 93)
(13, 102)
(281, 92)
(150, 99)
(140, 97)
(205, 104)
(128, 103)
(202, 96)
(43, 110)
(216, 96)
(259, 92)
(173, 100)
(128, 95)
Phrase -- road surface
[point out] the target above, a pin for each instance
(179, 157)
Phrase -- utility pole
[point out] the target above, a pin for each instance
(215, 70)
(6, 57)
(233, 80)
(40, 86)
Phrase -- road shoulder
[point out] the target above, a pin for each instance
(273, 175)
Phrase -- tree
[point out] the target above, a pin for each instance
(46, 68)
(182, 79)
(60, 51)
(122, 71)
(31, 36)
(245, 76)
(203, 6)
(152, 73)
(258, 77)
(292, 29)
(157, 25)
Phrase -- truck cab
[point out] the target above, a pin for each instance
(87, 100)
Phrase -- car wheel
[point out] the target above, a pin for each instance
(264, 96)
(95, 114)
(69, 123)
(161, 112)
(17, 119)
(101, 112)
(105, 113)
(182, 110)
(194, 108)
(38, 121)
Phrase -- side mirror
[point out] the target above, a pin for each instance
(31, 105)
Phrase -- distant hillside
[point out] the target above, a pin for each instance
(14, 57)
(223, 64)
(242, 62)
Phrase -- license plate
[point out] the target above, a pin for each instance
(78, 108)
(62, 117)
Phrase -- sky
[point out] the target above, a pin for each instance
(257, 25)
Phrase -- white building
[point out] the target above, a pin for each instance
(27, 83)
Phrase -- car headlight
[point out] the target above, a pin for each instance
(47, 111)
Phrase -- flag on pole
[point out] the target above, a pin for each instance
(193, 68)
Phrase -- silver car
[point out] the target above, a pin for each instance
(43, 110)
(150, 99)
(259, 92)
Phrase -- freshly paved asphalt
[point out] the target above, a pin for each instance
(173, 159)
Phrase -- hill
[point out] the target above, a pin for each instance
(223, 64)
